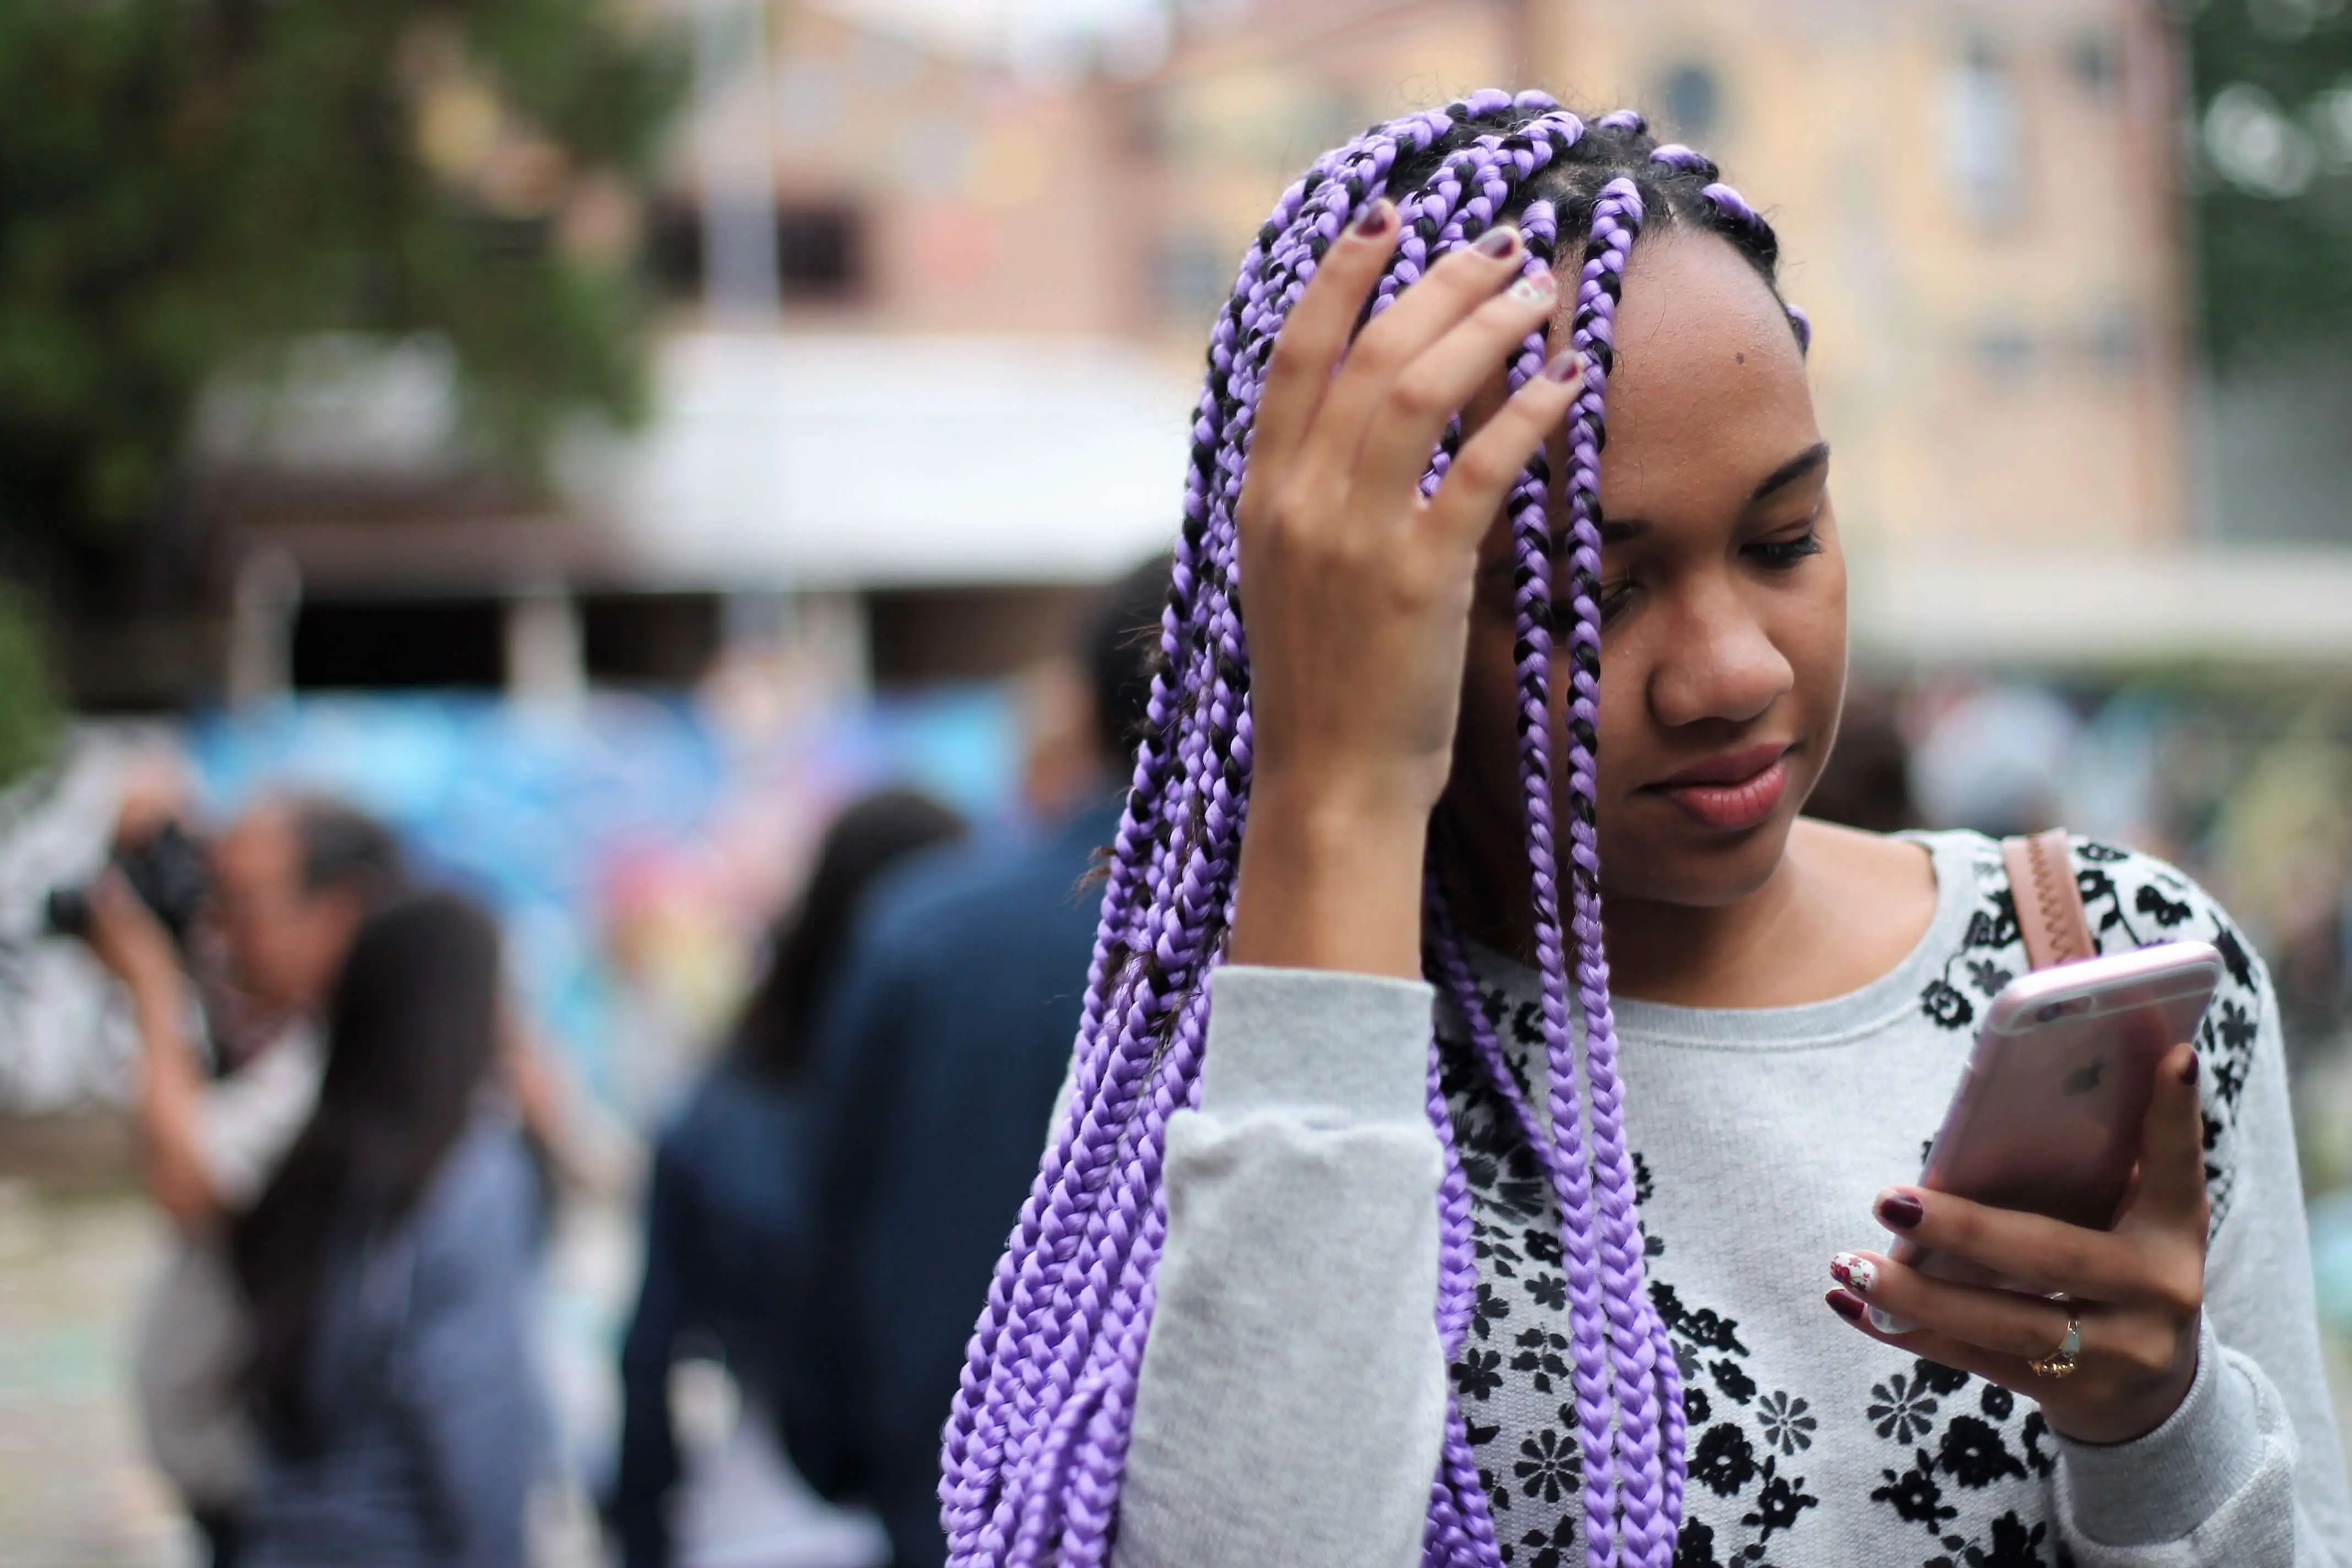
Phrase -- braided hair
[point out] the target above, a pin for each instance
(1037, 1443)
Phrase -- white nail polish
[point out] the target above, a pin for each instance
(1856, 1272)
(1534, 290)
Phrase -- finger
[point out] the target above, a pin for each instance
(1427, 395)
(1446, 297)
(1313, 336)
(2037, 1252)
(1491, 461)
(1927, 1344)
(2002, 1321)
(2172, 1149)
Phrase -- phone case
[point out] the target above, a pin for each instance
(2048, 1113)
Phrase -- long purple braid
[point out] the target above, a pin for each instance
(1036, 1444)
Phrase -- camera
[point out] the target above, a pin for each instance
(166, 869)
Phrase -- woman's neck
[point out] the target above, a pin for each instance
(1840, 909)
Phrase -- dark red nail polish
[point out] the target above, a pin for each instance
(1498, 242)
(1375, 219)
(1900, 1211)
(2188, 1072)
(1846, 1304)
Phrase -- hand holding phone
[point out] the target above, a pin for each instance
(2063, 1205)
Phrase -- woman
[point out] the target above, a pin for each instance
(1297, 1286)
(728, 1211)
(386, 1271)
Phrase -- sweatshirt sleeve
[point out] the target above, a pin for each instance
(2248, 1470)
(1292, 1399)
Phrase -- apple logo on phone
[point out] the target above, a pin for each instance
(2083, 1080)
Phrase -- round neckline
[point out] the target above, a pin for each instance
(1955, 857)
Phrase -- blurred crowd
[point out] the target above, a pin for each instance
(359, 1148)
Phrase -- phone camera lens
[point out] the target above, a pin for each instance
(2051, 1013)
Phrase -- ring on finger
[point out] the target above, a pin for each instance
(2061, 1362)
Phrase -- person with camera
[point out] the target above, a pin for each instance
(241, 942)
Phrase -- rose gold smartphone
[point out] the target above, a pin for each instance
(2047, 1116)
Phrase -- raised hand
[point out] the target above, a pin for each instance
(1356, 589)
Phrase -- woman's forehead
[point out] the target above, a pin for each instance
(1708, 381)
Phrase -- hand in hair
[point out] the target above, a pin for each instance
(1358, 587)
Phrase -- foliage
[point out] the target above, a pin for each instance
(185, 182)
(28, 714)
(2271, 95)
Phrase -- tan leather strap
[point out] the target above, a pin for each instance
(2049, 903)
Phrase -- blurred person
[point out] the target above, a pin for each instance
(1866, 782)
(291, 878)
(942, 1053)
(1486, 1067)
(387, 1272)
(727, 1209)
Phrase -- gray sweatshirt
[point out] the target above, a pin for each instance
(1294, 1389)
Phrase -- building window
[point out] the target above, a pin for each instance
(400, 644)
(1984, 137)
(1691, 103)
(2004, 355)
(1195, 274)
(820, 251)
(2091, 61)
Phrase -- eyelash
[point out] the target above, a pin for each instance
(1773, 555)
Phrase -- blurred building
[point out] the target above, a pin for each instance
(936, 298)
(1975, 203)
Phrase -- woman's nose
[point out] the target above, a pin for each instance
(1717, 661)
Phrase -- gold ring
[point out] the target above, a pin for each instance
(2061, 1362)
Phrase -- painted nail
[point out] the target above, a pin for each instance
(1375, 219)
(1564, 366)
(1846, 1304)
(1898, 1210)
(2188, 1072)
(1856, 1272)
(1536, 289)
(1499, 242)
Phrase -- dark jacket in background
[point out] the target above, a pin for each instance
(430, 1419)
(940, 1059)
(726, 1218)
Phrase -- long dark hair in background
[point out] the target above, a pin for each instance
(412, 1036)
(772, 1036)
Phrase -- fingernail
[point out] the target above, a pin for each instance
(1536, 289)
(1898, 1210)
(1846, 1304)
(1854, 1271)
(1375, 219)
(2188, 1072)
(1564, 366)
(1498, 243)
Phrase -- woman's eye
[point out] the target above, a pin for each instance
(1613, 598)
(1779, 554)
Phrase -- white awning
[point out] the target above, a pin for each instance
(784, 462)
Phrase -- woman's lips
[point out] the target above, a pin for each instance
(1733, 804)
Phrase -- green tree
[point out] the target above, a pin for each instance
(2272, 98)
(184, 184)
(28, 714)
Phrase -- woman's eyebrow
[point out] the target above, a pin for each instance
(1788, 473)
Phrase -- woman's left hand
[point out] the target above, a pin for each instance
(2138, 1290)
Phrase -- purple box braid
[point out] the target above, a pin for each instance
(1037, 1443)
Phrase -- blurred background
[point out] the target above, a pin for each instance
(601, 436)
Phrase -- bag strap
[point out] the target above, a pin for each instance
(2049, 903)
